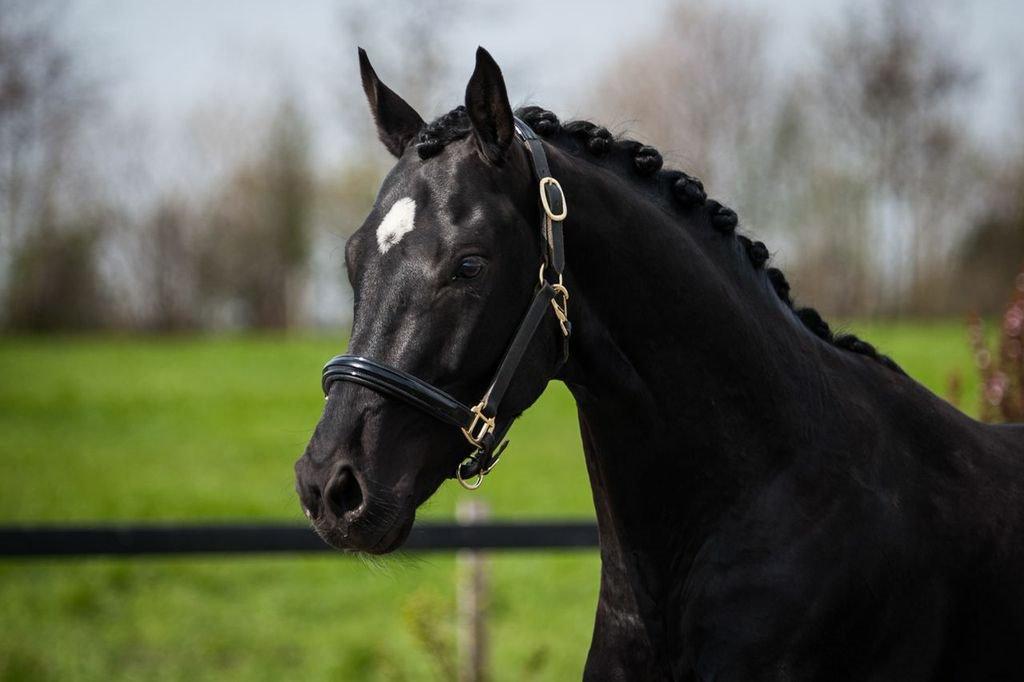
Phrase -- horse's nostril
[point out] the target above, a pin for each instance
(344, 494)
(310, 499)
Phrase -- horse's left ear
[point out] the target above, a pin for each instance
(397, 122)
(488, 108)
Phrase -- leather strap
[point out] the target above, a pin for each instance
(427, 397)
(493, 443)
(555, 256)
(396, 384)
(515, 351)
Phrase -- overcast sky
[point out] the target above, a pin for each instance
(167, 58)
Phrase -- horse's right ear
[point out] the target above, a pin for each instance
(397, 122)
(488, 108)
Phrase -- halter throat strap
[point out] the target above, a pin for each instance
(479, 423)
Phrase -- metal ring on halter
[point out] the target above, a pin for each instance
(473, 483)
(495, 458)
(557, 285)
(477, 480)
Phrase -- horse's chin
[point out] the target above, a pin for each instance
(381, 542)
(394, 537)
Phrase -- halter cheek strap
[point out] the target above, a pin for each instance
(479, 423)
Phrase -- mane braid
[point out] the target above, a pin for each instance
(580, 137)
(435, 136)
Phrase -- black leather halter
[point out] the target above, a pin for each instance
(479, 423)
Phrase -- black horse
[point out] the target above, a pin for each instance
(774, 501)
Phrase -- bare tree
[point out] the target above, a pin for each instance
(697, 88)
(858, 168)
(256, 243)
(993, 251)
(51, 221)
(419, 68)
(169, 267)
(888, 106)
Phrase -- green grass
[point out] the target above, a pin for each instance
(208, 428)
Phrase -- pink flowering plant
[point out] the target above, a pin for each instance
(1002, 368)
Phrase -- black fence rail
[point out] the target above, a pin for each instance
(168, 539)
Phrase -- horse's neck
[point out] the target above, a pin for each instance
(686, 370)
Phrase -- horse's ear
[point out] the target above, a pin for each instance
(488, 108)
(397, 122)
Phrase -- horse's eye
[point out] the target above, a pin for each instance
(469, 268)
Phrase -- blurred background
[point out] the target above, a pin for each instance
(177, 181)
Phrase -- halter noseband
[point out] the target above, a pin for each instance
(478, 423)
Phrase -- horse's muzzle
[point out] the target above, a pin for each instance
(346, 514)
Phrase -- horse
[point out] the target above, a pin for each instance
(775, 501)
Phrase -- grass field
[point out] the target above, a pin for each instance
(207, 428)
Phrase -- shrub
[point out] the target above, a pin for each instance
(1002, 368)
(54, 281)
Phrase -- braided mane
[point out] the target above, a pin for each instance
(687, 190)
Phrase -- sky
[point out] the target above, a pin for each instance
(168, 59)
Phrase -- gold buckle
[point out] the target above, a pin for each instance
(480, 421)
(544, 199)
(561, 311)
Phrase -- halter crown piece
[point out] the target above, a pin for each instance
(479, 424)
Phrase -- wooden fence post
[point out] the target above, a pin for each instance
(471, 594)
